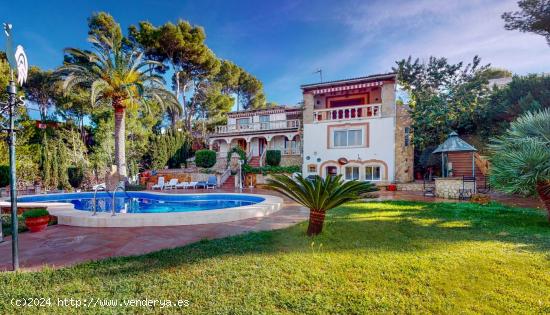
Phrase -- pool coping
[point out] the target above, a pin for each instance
(67, 215)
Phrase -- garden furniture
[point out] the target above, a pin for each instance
(159, 184)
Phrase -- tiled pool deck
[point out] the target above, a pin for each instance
(62, 245)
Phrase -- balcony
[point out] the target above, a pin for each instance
(347, 113)
(259, 126)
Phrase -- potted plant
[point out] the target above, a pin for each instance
(37, 219)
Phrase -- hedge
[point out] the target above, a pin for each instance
(273, 169)
(205, 158)
(273, 157)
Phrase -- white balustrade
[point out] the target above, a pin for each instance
(347, 113)
(268, 125)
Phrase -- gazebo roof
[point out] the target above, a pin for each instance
(454, 144)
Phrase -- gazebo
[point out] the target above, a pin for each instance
(456, 155)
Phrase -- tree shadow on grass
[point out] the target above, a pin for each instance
(379, 227)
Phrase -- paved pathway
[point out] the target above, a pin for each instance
(62, 245)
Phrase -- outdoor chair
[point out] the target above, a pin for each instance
(101, 186)
(159, 185)
(212, 182)
(429, 191)
(201, 184)
(190, 185)
(182, 185)
(466, 193)
(171, 184)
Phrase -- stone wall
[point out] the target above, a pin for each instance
(308, 108)
(404, 154)
(413, 186)
(450, 187)
(291, 160)
(388, 100)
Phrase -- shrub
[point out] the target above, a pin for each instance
(272, 169)
(273, 157)
(135, 187)
(4, 175)
(237, 150)
(205, 158)
(35, 213)
(76, 176)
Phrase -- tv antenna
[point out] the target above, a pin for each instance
(320, 71)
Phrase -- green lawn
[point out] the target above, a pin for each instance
(372, 257)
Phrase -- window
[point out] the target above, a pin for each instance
(243, 121)
(407, 136)
(352, 173)
(348, 138)
(312, 168)
(264, 121)
(372, 173)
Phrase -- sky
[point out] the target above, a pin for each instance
(284, 42)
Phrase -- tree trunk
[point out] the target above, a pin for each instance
(543, 189)
(120, 138)
(316, 221)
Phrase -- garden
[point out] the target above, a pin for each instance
(376, 257)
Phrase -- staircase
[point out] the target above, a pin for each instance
(254, 161)
(229, 183)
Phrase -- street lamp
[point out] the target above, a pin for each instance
(17, 60)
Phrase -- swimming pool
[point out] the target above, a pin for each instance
(143, 202)
(136, 209)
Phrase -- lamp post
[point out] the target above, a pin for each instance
(17, 60)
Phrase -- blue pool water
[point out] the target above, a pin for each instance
(144, 202)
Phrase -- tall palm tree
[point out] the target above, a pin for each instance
(118, 76)
(520, 161)
(319, 195)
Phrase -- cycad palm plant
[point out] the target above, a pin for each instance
(520, 161)
(117, 76)
(319, 195)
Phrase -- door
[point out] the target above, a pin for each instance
(242, 143)
(262, 144)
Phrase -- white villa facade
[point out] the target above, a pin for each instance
(355, 127)
(274, 128)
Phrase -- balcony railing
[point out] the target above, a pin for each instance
(289, 151)
(347, 113)
(258, 126)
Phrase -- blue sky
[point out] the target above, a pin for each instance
(284, 42)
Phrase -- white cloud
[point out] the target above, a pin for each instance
(379, 33)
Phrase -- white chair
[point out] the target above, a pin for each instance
(171, 184)
(99, 187)
(159, 185)
(181, 184)
(190, 185)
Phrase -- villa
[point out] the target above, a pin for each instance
(355, 127)
(256, 131)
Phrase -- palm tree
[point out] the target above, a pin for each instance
(319, 195)
(520, 161)
(118, 76)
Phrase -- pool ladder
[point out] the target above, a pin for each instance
(120, 186)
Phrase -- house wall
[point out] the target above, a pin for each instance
(380, 148)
